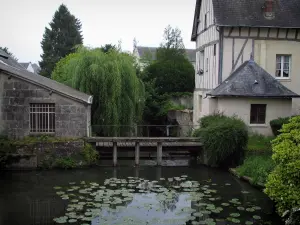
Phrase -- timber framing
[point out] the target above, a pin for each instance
(261, 33)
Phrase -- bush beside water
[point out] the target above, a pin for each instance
(257, 167)
(224, 139)
(276, 124)
(283, 184)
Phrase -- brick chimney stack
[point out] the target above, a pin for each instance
(269, 9)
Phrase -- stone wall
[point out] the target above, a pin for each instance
(43, 153)
(71, 117)
(186, 101)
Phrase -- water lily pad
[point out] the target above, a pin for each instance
(62, 219)
(198, 214)
(234, 214)
(225, 204)
(256, 217)
(248, 222)
(250, 210)
(57, 188)
(72, 220)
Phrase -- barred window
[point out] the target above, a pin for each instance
(42, 118)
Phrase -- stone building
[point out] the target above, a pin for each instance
(31, 104)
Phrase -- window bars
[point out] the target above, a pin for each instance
(42, 117)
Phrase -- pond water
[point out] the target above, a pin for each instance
(126, 195)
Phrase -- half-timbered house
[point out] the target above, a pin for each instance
(247, 59)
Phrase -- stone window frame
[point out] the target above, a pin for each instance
(42, 118)
(258, 113)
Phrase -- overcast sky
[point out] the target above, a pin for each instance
(22, 23)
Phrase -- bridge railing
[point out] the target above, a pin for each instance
(142, 130)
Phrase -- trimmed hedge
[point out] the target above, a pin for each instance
(224, 139)
(283, 184)
(276, 124)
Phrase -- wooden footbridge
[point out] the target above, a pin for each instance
(137, 142)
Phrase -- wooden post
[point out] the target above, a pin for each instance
(137, 153)
(115, 154)
(159, 153)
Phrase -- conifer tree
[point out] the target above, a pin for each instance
(60, 39)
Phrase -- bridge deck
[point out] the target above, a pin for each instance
(142, 139)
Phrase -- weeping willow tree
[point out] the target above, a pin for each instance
(118, 94)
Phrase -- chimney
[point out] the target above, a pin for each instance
(269, 9)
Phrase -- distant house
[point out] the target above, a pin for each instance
(146, 54)
(33, 68)
(35, 105)
(247, 60)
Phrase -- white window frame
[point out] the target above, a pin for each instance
(39, 118)
(282, 56)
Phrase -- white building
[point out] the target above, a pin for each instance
(227, 33)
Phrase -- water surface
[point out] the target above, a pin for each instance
(126, 195)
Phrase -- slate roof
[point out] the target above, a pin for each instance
(249, 13)
(35, 67)
(6, 66)
(250, 80)
(4, 57)
(151, 51)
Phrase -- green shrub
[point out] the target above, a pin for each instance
(276, 124)
(90, 154)
(224, 139)
(257, 167)
(213, 118)
(258, 143)
(65, 163)
(283, 184)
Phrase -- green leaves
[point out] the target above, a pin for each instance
(118, 94)
(283, 183)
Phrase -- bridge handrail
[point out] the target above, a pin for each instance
(142, 139)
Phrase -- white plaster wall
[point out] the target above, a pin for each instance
(30, 68)
(241, 108)
(265, 55)
(231, 49)
(203, 105)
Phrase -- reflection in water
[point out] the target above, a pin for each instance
(157, 195)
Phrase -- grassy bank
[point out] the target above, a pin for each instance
(258, 163)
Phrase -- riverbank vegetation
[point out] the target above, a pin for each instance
(224, 139)
(283, 184)
(52, 152)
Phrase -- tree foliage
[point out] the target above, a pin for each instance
(108, 47)
(283, 184)
(60, 39)
(118, 94)
(170, 73)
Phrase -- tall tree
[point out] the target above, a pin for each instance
(108, 47)
(6, 50)
(60, 39)
(118, 93)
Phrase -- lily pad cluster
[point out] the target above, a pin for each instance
(137, 201)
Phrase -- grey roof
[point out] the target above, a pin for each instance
(250, 80)
(4, 57)
(25, 65)
(44, 82)
(35, 67)
(145, 52)
(249, 13)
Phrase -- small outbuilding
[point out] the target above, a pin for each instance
(31, 104)
(253, 95)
